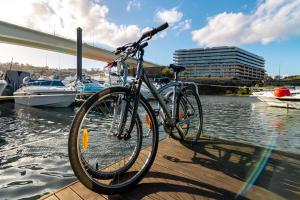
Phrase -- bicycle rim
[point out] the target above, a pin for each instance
(108, 164)
(189, 116)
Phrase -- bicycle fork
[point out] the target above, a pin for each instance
(134, 95)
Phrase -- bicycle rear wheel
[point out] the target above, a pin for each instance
(102, 157)
(189, 116)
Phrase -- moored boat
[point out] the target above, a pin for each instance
(50, 93)
(281, 97)
(89, 86)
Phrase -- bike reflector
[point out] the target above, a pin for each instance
(85, 139)
(148, 121)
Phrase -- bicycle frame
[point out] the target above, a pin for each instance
(160, 99)
(141, 77)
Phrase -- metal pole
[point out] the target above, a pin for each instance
(79, 53)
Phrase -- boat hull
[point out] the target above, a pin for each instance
(283, 102)
(53, 100)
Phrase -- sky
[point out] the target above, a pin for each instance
(268, 28)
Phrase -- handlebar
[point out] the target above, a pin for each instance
(145, 35)
(154, 31)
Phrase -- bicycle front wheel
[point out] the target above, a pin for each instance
(105, 155)
(189, 116)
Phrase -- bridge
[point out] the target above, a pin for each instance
(18, 35)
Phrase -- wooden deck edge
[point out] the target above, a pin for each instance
(59, 189)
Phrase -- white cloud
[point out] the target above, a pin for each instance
(63, 17)
(183, 25)
(174, 18)
(162, 34)
(133, 4)
(272, 20)
(171, 16)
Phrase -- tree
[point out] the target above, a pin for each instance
(165, 72)
(185, 73)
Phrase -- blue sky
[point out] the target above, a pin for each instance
(269, 28)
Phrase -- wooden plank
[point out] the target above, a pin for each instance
(183, 161)
(140, 192)
(154, 187)
(67, 194)
(84, 192)
(172, 184)
(214, 172)
(53, 194)
(183, 181)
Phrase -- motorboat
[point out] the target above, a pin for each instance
(41, 92)
(89, 86)
(86, 85)
(3, 85)
(281, 97)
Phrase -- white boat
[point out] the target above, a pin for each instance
(50, 93)
(262, 93)
(274, 98)
(3, 85)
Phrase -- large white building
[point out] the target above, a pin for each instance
(221, 62)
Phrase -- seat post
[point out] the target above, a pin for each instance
(176, 75)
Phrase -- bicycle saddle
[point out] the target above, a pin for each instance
(177, 68)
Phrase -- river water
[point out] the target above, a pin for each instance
(33, 141)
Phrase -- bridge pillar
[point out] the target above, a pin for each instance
(79, 53)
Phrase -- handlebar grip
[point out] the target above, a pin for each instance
(162, 27)
(119, 50)
(154, 31)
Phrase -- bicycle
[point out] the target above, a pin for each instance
(110, 149)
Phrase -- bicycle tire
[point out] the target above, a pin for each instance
(189, 136)
(93, 181)
(109, 175)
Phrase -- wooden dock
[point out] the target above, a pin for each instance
(212, 169)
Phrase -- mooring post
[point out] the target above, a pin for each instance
(79, 53)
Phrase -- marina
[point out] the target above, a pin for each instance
(149, 100)
(33, 141)
(49, 91)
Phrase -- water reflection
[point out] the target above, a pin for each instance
(33, 149)
(247, 120)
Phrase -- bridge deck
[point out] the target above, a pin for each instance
(212, 169)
